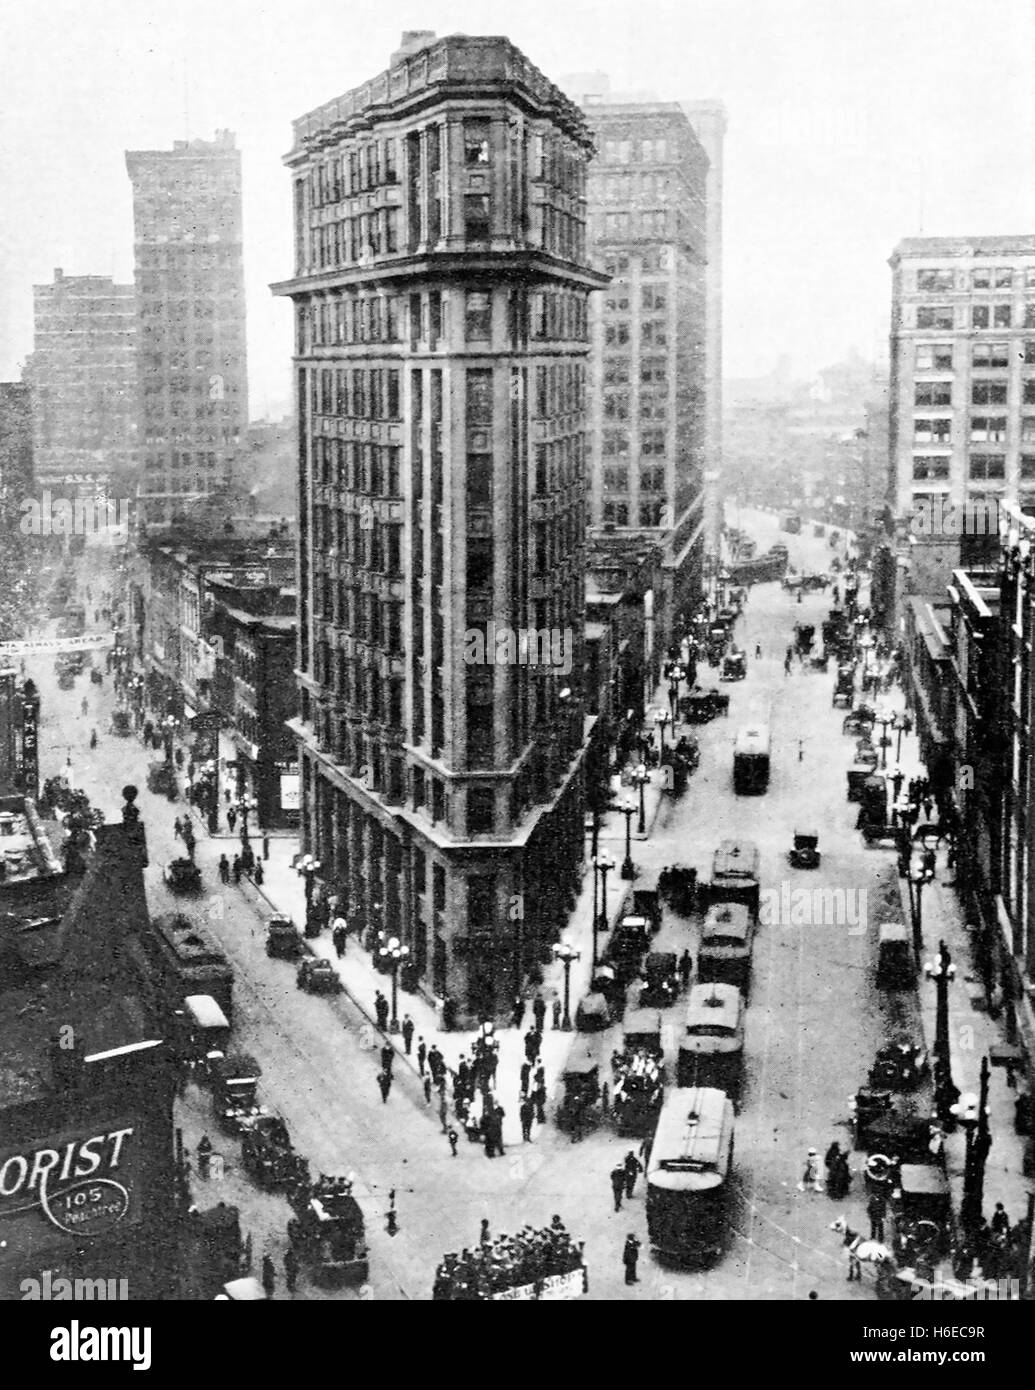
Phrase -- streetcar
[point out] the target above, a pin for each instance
(751, 760)
(689, 1175)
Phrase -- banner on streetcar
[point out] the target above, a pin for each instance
(87, 642)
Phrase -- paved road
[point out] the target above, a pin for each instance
(813, 1021)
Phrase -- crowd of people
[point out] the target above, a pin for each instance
(508, 1262)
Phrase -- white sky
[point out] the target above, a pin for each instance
(851, 125)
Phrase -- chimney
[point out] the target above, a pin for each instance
(413, 40)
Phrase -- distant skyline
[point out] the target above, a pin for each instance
(850, 127)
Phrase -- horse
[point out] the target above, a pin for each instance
(860, 1251)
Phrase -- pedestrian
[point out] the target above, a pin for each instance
(930, 862)
(237, 867)
(530, 1046)
(527, 1114)
(633, 1168)
(339, 936)
(787, 665)
(876, 1209)
(498, 1116)
(427, 1089)
(539, 1011)
(422, 1055)
(93, 738)
(810, 1178)
(686, 968)
(85, 706)
(517, 1017)
(618, 1185)
(227, 793)
(758, 651)
(556, 1014)
(630, 1256)
(291, 1269)
(928, 804)
(443, 1113)
(259, 876)
(269, 1276)
(204, 1156)
(381, 1010)
(231, 819)
(177, 828)
(387, 1058)
(897, 779)
(526, 1073)
(384, 1082)
(179, 757)
(452, 1136)
(224, 869)
(407, 1032)
(1000, 1223)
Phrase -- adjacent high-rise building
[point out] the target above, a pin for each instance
(648, 410)
(83, 373)
(962, 403)
(17, 454)
(441, 292)
(192, 356)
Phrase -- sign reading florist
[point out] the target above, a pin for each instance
(81, 1183)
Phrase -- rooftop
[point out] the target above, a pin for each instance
(1023, 245)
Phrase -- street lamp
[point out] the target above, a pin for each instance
(640, 778)
(661, 718)
(308, 867)
(169, 726)
(245, 805)
(628, 810)
(393, 953)
(917, 880)
(971, 1112)
(603, 864)
(566, 954)
(946, 1093)
(902, 724)
(884, 719)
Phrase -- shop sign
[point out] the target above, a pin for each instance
(290, 797)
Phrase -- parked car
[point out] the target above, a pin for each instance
(318, 976)
(283, 940)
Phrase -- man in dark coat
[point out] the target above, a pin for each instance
(527, 1113)
(539, 1012)
(633, 1168)
(384, 1082)
(381, 1010)
(387, 1058)
(526, 1073)
(518, 1016)
(630, 1255)
(269, 1276)
(291, 1268)
(686, 968)
(422, 1054)
(539, 1101)
(407, 1032)
(224, 869)
(237, 867)
(618, 1185)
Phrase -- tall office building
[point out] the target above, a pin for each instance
(84, 384)
(440, 291)
(648, 231)
(962, 400)
(708, 119)
(17, 455)
(192, 356)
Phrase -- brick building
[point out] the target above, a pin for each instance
(192, 353)
(440, 288)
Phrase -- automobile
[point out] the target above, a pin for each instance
(267, 1154)
(629, 943)
(316, 975)
(726, 941)
(662, 980)
(639, 1089)
(581, 1081)
(328, 1232)
(283, 940)
(235, 1081)
(593, 1013)
(896, 966)
(182, 876)
(899, 1065)
(734, 666)
(805, 854)
(161, 779)
(647, 903)
(120, 725)
(66, 681)
(641, 1031)
(712, 1051)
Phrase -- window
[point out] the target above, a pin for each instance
(652, 480)
(926, 468)
(478, 316)
(934, 316)
(932, 431)
(653, 299)
(1003, 278)
(934, 279)
(479, 396)
(652, 441)
(653, 333)
(928, 393)
(479, 480)
(616, 334)
(979, 316)
(653, 371)
(991, 355)
(616, 371)
(981, 279)
(616, 406)
(652, 513)
(476, 216)
(616, 513)
(1028, 391)
(1029, 315)
(476, 142)
(1027, 467)
(988, 428)
(933, 357)
(616, 444)
(1029, 277)
(481, 814)
(1028, 429)
(1002, 316)
(985, 467)
(988, 393)
(616, 478)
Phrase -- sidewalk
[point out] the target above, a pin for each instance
(972, 1032)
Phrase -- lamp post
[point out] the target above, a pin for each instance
(946, 1093)
(603, 864)
(308, 867)
(640, 779)
(245, 805)
(917, 881)
(393, 953)
(971, 1112)
(661, 719)
(902, 724)
(628, 810)
(884, 719)
(169, 726)
(676, 676)
(566, 954)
